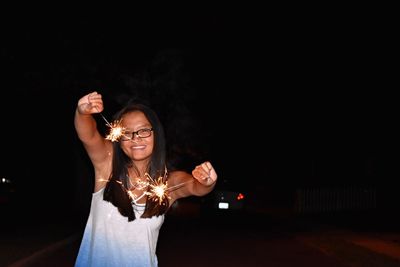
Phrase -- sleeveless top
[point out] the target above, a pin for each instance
(110, 240)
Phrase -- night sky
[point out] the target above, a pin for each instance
(268, 100)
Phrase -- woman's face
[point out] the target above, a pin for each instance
(137, 148)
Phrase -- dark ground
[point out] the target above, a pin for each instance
(191, 238)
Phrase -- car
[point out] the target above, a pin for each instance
(227, 197)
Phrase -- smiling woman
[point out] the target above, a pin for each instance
(134, 187)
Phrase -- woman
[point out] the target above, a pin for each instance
(133, 188)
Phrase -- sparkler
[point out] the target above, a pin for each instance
(158, 189)
(116, 129)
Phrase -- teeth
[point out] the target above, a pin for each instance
(138, 147)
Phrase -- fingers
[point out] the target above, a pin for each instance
(90, 103)
(94, 100)
(208, 165)
(204, 172)
(205, 169)
(93, 97)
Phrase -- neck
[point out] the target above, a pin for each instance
(141, 166)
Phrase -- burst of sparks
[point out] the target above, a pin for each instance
(116, 131)
(158, 190)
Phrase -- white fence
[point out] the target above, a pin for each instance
(331, 199)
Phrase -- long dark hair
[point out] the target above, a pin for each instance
(116, 188)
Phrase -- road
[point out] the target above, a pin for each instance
(233, 240)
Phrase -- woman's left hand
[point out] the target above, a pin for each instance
(205, 173)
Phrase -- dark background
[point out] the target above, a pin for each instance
(275, 98)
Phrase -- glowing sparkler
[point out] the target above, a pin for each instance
(116, 131)
(158, 190)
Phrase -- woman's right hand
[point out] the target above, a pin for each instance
(90, 103)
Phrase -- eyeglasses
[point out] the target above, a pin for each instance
(142, 133)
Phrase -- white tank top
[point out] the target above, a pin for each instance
(110, 240)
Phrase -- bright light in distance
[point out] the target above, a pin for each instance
(240, 196)
(5, 180)
(223, 205)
